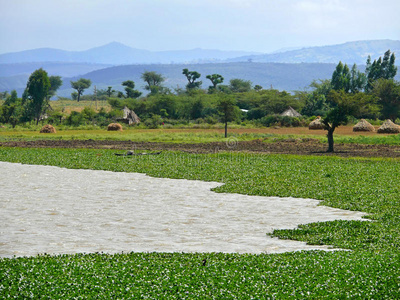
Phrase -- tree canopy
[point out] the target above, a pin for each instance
(80, 86)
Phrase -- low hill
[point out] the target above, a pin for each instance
(351, 52)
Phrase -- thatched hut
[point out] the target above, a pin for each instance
(290, 112)
(363, 125)
(389, 127)
(114, 127)
(129, 117)
(316, 124)
(48, 129)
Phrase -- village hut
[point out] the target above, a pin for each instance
(290, 112)
(114, 127)
(389, 127)
(48, 129)
(363, 125)
(316, 124)
(129, 117)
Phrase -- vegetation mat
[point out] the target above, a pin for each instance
(369, 271)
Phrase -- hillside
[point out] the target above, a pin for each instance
(280, 76)
(351, 52)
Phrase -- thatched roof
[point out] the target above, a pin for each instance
(129, 117)
(114, 127)
(316, 124)
(48, 129)
(290, 112)
(389, 127)
(363, 125)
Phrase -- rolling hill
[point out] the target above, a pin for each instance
(351, 52)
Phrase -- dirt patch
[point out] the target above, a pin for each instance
(298, 146)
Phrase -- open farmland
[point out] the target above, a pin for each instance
(369, 271)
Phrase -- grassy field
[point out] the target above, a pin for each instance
(371, 270)
(343, 134)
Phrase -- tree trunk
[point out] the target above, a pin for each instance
(226, 129)
(330, 140)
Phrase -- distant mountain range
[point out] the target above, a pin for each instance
(109, 65)
(119, 54)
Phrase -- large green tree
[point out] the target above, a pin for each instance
(80, 86)
(130, 89)
(192, 76)
(237, 85)
(37, 90)
(387, 92)
(153, 81)
(215, 80)
(55, 83)
(381, 68)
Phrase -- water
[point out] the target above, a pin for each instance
(52, 210)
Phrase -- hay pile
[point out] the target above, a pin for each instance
(363, 125)
(48, 129)
(389, 127)
(114, 127)
(316, 124)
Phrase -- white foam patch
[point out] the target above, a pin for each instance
(53, 210)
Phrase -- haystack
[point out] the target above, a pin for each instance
(316, 124)
(389, 127)
(48, 129)
(114, 127)
(363, 125)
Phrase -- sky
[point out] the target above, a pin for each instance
(245, 25)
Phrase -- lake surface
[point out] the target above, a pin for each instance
(53, 210)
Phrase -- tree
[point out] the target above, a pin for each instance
(258, 88)
(341, 78)
(81, 85)
(343, 105)
(192, 76)
(215, 80)
(110, 91)
(228, 110)
(37, 90)
(154, 82)
(130, 89)
(387, 92)
(358, 80)
(239, 85)
(55, 83)
(382, 68)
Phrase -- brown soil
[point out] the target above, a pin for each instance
(299, 146)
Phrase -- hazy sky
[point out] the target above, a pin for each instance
(252, 25)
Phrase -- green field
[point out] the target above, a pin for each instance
(371, 270)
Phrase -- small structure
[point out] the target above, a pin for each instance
(114, 127)
(316, 124)
(389, 127)
(290, 112)
(48, 129)
(363, 125)
(129, 117)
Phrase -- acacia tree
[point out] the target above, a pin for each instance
(154, 82)
(215, 80)
(130, 89)
(192, 76)
(80, 86)
(37, 90)
(237, 85)
(344, 105)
